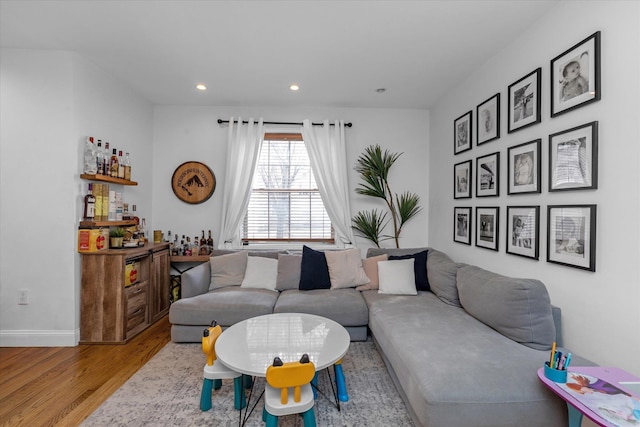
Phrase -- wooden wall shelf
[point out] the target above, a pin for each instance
(105, 178)
(94, 224)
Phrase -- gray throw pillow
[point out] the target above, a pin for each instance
(289, 267)
(442, 272)
(228, 270)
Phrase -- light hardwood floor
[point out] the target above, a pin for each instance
(61, 386)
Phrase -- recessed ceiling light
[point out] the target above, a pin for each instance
(201, 86)
(381, 90)
(294, 87)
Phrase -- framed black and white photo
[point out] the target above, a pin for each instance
(523, 231)
(488, 175)
(488, 120)
(462, 225)
(524, 102)
(575, 76)
(487, 226)
(571, 236)
(523, 168)
(573, 158)
(462, 133)
(462, 180)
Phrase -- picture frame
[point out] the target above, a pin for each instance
(488, 175)
(462, 133)
(524, 105)
(575, 76)
(462, 180)
(488, 120)
(571, 236)
(487, 227)
(524, 168)
(573, 158)
(523, 231)
(462, 225)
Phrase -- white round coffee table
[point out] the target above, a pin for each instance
(250, 346)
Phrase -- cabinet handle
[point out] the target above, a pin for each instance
(140, 310)
(137, 291)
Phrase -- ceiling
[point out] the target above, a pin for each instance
(249, 52)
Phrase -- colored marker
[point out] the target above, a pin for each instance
(553, 354)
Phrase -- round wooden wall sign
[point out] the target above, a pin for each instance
(193, 182)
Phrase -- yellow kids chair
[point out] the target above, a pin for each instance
(288, 391)
(215, 372)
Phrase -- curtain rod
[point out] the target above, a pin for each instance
(220, 121)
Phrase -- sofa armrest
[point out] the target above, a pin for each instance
(196, 281)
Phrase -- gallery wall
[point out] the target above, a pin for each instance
(600, 309)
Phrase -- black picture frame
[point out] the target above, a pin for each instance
(462, 180)
(573, 158)
(487, 227)
(524, 168)
(571, 236)
(462, 220)
(463, 133)
(523, 231)
(488, 175)
(488, 120)
(524, 105)
(581, 64)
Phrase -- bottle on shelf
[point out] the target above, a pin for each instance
(100, 159)
(120, 165)
(89, 211)
(113, 167)
(90, 165)
(195, 249)
(106, 160)
(127, 167)
(210, 244)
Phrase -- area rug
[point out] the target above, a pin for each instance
(166, 392)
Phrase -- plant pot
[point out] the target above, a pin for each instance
(116, 242)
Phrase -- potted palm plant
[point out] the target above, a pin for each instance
(373, 166)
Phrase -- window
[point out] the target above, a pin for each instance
(285, 204)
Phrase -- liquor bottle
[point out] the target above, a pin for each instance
(195, 249)
(113, 168)
(106, 160)
(127, 167)
(90, 165)
(210, 243)
(99, 158)
(89, 212)
(120, 165)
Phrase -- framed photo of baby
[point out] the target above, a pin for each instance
(571, 236)
(523, 231)
(523, 168)
(575, 76)
(462, 133)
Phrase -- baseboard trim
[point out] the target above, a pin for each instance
(35, 338)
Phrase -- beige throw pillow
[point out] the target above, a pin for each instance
(370, 266)
(345, 268)
(228, 270)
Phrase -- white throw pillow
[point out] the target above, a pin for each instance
(261, 273)
(228, 270)
(397, 277)
(345, 268)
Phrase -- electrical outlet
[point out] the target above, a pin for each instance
(23, 299)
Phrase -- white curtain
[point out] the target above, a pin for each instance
(327, 154)
(242, 154)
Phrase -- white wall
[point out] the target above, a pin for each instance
(192, 134)
(50, 102)
(601, 310)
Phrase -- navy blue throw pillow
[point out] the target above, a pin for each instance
(314, 272)
(419, 269)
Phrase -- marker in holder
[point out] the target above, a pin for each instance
(555, 375)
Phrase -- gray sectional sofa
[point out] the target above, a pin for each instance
(463, 354)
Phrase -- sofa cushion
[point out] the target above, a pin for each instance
(442, 272)
(314, 272)
(345, 268)
(420, 268)
(345, 306)
(227, 306)
(370, 267)
(519, 309)
(228, 270)
(288, 272)
(261, 273)
(397, 277)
